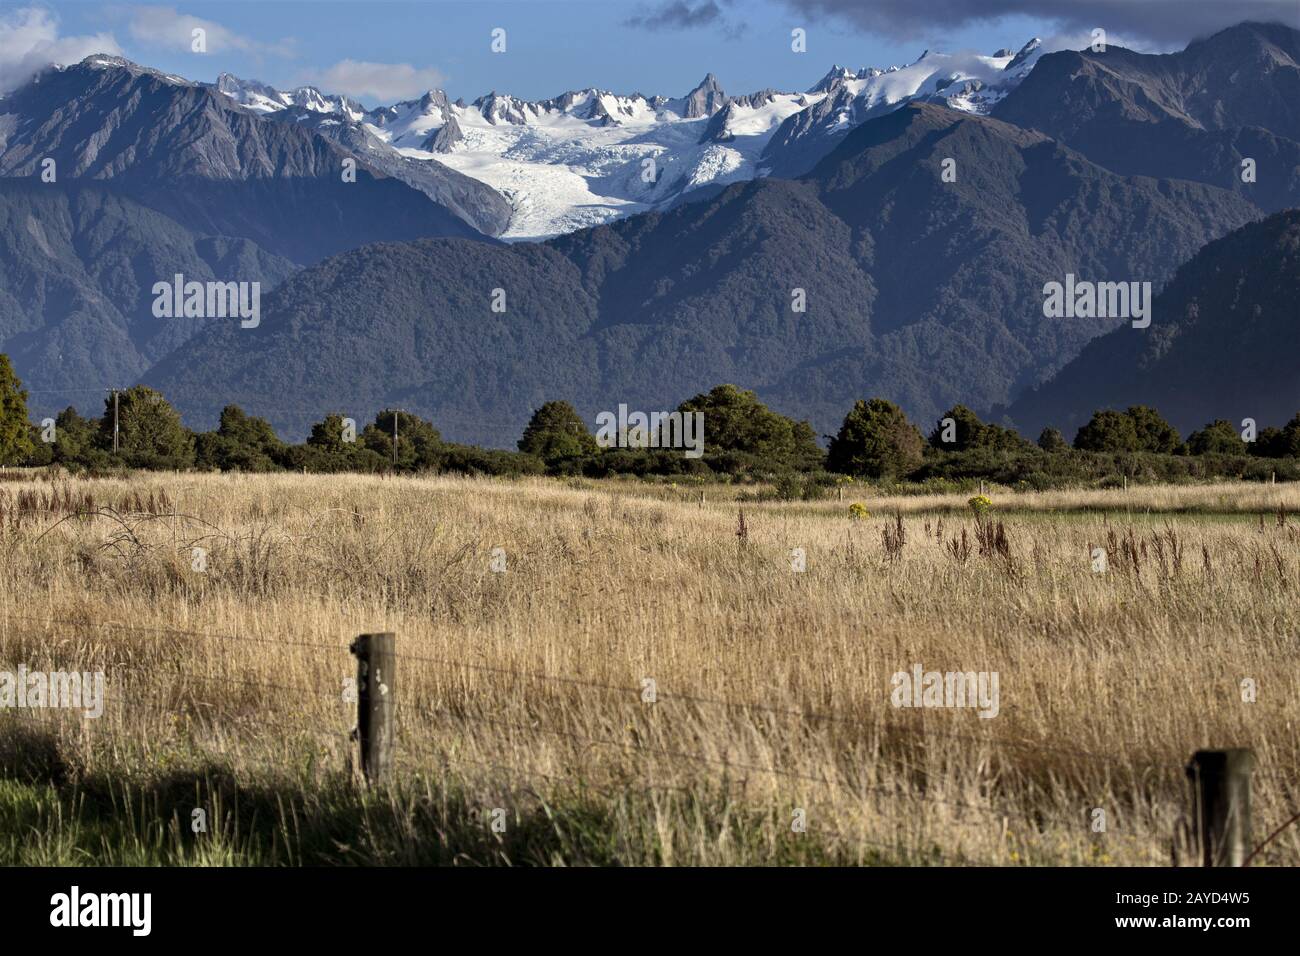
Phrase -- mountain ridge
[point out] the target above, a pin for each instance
(511, 143)
(215, 167)
(664, 305)
(1194, 114)
(1216, 347)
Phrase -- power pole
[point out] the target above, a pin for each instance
(115, 420)
(395, 439)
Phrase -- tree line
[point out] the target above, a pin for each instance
(744, 439)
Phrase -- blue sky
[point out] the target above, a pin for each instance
(380, 51)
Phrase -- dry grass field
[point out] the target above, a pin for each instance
(521, 691)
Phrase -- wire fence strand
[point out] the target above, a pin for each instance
(858, 721)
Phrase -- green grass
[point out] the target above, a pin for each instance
(1247, 519)
(134, 819)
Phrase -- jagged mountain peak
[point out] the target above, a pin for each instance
(174, 144)
(705, 100)
(1026, 52)
(968, 82)
(836, 75)
(108, 61)
(1194, 114)
(230, 84)
(263, 98)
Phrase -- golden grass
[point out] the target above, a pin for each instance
(774, 686)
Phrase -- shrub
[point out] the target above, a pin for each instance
(471, 460)
(1051, 440)
(1217, 438)
(419, 444)
(1108, 430)
(967, 431)
(1154, 434)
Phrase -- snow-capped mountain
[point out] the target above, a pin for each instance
(579, 159)
(264, 99)
(969, 82)
(590, 156)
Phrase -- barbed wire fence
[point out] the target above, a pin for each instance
(1219, 809)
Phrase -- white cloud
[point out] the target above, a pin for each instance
(29, 41)
(169, 29)
(383, 81)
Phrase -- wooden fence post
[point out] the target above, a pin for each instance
(376, 702)
(1221, 804)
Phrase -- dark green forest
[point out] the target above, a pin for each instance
(744, 441)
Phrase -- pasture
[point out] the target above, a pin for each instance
(534, 618)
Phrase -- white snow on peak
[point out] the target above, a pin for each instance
(264, 99)
(590, 156)
(966, 81)
(576, 160)
(593, 156)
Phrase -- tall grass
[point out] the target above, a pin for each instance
(522, 692)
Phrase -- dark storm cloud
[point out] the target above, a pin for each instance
(1166, 22)
(678, 15)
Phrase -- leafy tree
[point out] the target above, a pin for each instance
(419, 444)
(1154, 434)
(1268, 443)
(15, 428)
(808, 455)
(75, 438)
(556, 433)
(1108, 430)
(1218, 437)
(327, 435)
(1281, 442)
(42, 452)
(150, 430)
(1051, 439)
(967, 430)
(875, 440)
(326, 450)
(736, 421)
(247, 430)
(241, 442)
(1289, 444)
